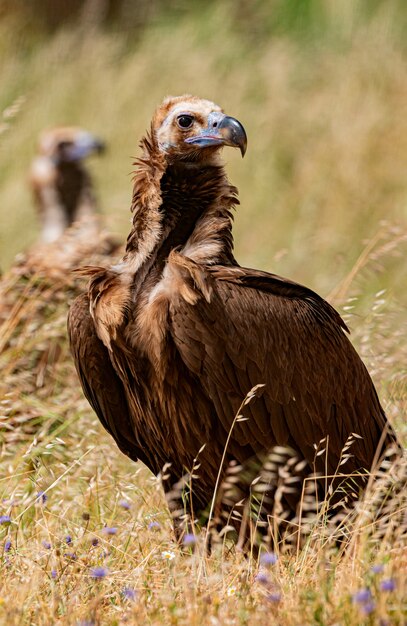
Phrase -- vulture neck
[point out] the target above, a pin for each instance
(184, 205)
(71, 181)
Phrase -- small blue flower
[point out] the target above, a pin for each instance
(154, 526)
(377, 569)
(262, 578)
(5, 519)
(53, 573)
(129, 594)
(124, 504)
(68, 539)
(109, 530)
(362, 596)
(99, 572)
(388, 584)
(368, 608)
(268, 559)
(70, 555)
(7, 545)
(274, 597)
(189, 539)
(95, 541)
(46, 545)
(42, 497)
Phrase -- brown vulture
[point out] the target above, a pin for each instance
(168, 342)
(61, 184)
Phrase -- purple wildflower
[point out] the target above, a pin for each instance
(95, 541)
(124, 504)
(189, 539)
(46, 545)
(109, 530)
(70, 555)
(154, 526)
(7, 545)
(268, 559)
(42, 497)
(129, 594)
(275, 596)
(68, 539)
(362, 596)
(98, 572)
(388, 584)
(53, 573)
(368, 607)
(5, 519)
(262, 578)
(377, 569)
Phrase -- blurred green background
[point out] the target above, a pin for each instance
(320, 86)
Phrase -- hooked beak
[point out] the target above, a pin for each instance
(222, 130)
(85, 144)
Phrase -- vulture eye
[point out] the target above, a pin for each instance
(185, 121)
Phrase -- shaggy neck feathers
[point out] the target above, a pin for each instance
(179, 204)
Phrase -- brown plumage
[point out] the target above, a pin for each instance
(168, 343)
(61, 184)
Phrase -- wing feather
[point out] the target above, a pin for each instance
(259, 328)
(101, 385)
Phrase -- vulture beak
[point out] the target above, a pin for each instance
(222, 130)
(84, 145)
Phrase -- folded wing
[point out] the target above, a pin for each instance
(261, 329)
(100, 383)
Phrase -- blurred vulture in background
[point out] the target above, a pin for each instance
(72, 230)
(61, 184)
(168, 342)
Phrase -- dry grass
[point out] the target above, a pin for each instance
(325, 121)
(323, 192)
(76, 504)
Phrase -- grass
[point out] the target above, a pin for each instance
(87, 537)
(325, 122)
(323, 192)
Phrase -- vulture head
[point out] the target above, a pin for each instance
(68, 144)
(188, 128)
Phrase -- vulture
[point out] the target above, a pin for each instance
(170, 341)
(61, 185)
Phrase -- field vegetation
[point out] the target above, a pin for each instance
(85, 535)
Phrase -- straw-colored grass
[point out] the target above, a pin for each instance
(325, 120)
(74, 504)
(323, 192)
